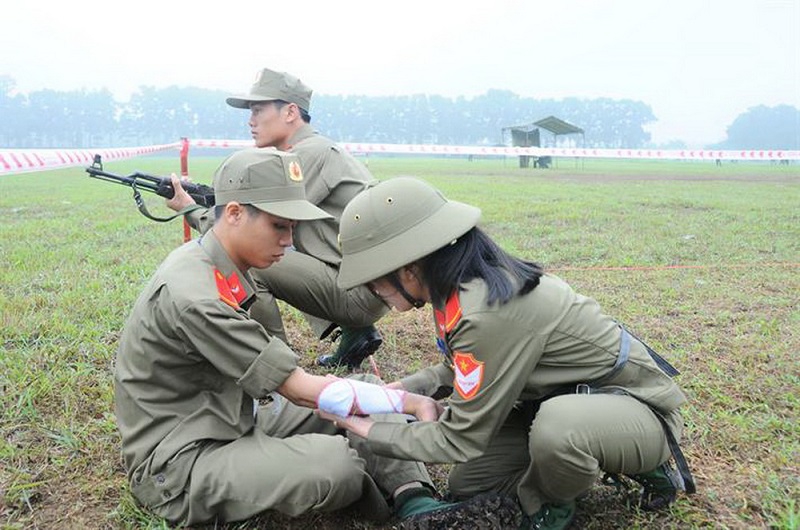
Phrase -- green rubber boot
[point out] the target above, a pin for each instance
(417, 509)
(550, 517)
(355, 345)
(660, 487)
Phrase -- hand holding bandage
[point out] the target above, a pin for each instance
(347, 397)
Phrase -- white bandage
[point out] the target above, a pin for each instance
(346, 397)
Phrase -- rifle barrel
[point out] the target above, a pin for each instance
(135, 179)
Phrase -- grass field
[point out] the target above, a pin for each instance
(701, 261)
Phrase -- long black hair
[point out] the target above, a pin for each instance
(476, 255)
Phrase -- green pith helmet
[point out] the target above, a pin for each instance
(395, 223)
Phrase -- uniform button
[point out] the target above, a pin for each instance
(160, 479)
(166, 495)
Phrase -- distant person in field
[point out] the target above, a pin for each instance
(279, 117)
(191, 362)
(546, 391)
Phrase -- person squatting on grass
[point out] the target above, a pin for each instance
(547, 391)
(279, 117)
(191, 362)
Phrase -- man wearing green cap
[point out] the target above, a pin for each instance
(279, 105)
(191, 363)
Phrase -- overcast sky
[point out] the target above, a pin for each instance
(697, 63)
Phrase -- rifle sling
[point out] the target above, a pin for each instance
(140, 204)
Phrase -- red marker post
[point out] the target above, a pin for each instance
(187, 230)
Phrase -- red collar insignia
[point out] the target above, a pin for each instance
(447, 319)
(230, 289)
(469, 374)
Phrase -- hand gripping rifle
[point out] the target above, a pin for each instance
(203, 195)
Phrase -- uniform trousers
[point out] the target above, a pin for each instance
(309, 284)
(291, 462)
(560, 454)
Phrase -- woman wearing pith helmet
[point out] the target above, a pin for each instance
(547, 391)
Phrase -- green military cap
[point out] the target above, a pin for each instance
(270, 86)
(395, 223)
(268, 179)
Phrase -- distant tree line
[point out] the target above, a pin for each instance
(84, 118)
(764, 127)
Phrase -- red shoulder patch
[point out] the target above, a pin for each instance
(469, 374)
(238, 292)
(447, 319)
(224, 289)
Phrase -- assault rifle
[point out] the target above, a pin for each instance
(203, 195)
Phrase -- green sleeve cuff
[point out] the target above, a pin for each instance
(270, 369)
(428, 380)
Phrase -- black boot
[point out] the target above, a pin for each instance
(355, 345)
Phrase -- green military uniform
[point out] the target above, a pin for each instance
(500, 357)
(190, 364)
(547, 390)
(333, 178)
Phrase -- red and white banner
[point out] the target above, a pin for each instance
(222, 144)
(644, 154)
(475, 150)
(23, 160)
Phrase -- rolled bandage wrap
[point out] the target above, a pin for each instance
(346, 397)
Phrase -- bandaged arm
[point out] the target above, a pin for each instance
(347, 397)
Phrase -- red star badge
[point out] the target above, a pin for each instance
(469, 374)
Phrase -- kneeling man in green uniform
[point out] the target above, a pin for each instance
(191, 365)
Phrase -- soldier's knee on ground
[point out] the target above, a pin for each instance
(463, 484)
(460, 486)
